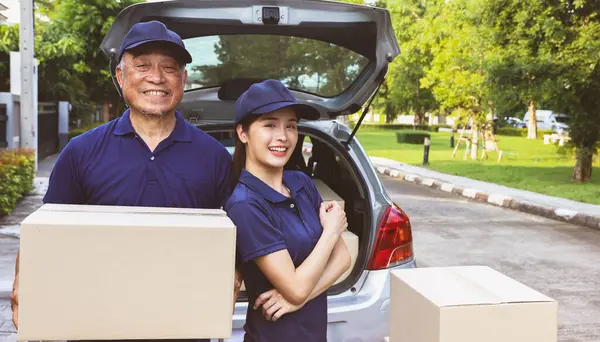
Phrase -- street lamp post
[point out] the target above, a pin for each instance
(29, 120)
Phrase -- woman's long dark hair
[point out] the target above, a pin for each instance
(239, 152)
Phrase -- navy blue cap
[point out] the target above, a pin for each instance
(269, 96)
(153, 31)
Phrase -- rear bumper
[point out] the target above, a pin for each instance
(365, 315)
(359, 316)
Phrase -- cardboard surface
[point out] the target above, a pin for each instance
(128, 209)
(468, 304)
(327, 193)
(91, 272)
(351, 241)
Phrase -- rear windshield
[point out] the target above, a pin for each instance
(562, 119)
(302, 64)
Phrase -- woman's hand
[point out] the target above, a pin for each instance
(274, 305)
(333, 218)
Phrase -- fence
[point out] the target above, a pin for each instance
(3, 125)
(52, 124)
(48, 142)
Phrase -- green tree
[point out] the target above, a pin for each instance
(9, 41)
(87, 22)
(67, 45)
(576, 88)
(407, 93)
(523, 66)
(462, 47)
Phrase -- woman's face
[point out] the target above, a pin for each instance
(271, 139)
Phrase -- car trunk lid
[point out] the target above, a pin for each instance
(331, 54)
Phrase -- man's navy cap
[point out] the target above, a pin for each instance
(153, 31)
(269, 96)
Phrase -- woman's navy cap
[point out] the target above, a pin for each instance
(269, 96)
(153, 31)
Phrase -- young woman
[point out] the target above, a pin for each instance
(289, 248)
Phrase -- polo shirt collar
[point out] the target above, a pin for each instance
(180, 133)
(261, 188)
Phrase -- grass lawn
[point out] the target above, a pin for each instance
(528, 165)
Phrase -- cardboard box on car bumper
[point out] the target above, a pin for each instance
(94, 272)
(467, 304)
(327, 194)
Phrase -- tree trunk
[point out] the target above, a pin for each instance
(475, 142)
(417, 118)
(532, 126)
(582, 172)
(106, 112)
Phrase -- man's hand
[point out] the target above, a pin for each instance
(14, 302)
(236, 287)
(274, 305)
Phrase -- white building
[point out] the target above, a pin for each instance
(9, 12)
(3, 18)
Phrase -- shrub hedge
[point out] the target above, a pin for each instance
(78, 131)
(432, 128)
(520, 132)
(507, 131)
(17, 171)
(414, 137)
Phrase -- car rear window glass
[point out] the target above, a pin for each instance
(302, 64)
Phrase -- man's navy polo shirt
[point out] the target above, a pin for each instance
(268, 221)
(111, 165)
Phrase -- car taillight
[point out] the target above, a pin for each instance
(393, 244)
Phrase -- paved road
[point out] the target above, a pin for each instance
(559, 260)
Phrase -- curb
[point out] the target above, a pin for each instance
(5, 289)
(5, 293)
(499, 200)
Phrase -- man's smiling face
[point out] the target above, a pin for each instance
(152, 79)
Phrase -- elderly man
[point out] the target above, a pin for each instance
(150, 156)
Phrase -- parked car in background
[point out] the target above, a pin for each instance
(515, 122)
(333, 55)
(547, 119)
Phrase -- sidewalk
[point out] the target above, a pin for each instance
(556, 208)
(10, 232)
(46, 165)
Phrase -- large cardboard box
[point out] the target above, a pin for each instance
(467, 304)
(102, 272)
(351, 241)
(326, 192)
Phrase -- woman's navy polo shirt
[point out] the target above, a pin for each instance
(268, 221)
(111, 165)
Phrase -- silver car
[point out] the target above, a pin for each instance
(333, 55)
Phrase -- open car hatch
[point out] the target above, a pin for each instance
(331, 54)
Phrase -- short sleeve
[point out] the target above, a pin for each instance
(224, 179)
(257, 234)
(64, 186)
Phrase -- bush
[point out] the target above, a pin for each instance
(521, 132)
(432, 128)
(17, 170)
(412, 137)
(78, 131)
